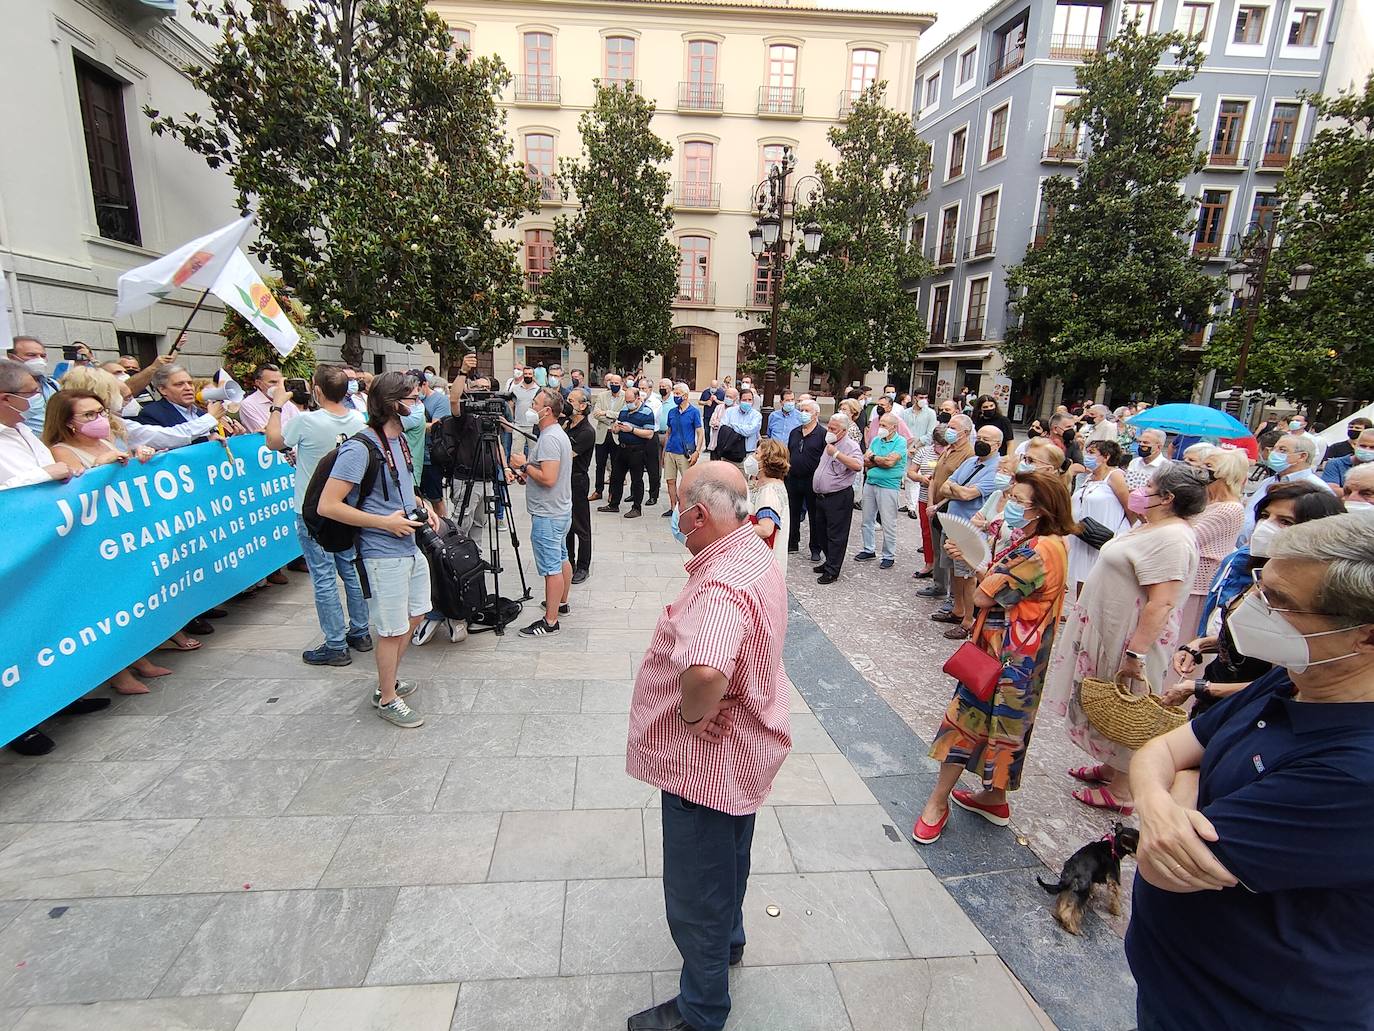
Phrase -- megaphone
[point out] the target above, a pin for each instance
(225, 389)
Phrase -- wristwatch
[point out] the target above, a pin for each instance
(274, 408)
(1200, 691)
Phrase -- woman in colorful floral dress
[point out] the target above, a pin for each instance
(1020, 593)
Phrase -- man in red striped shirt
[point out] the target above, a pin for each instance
(709, 727)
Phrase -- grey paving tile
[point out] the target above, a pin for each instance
(421, 1007)
(339, 787)
(97, 949)
(324, 736)
(602, 783)
(497, 784)
(294, 636)
(607, 696)
(10, 910)
(458, 736)
(204, 1013)
(808, 735)
(824, 918)
(274, 940)
(551, 1003)
(466, 932)
(232, 853)
(12, 832)
(247, 664)
(572, 637)
(87, 859)
(799, 782)
(930, 920)
(79, 791)
(259, 612)
(798, 998)
(616, 926)
(844, 782)
(581, 734)
(846, 837)
(421, 848)
(177, 696)
(556, 846)
(876, 740)
(965, 994)
(340, 695)
(512, 696)
(10, 1016)
(217, 787)
(768, 855)
(218, 736)
(96, 737)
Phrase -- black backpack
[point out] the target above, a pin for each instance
(330, 534)
(457, 573)
(455, 446)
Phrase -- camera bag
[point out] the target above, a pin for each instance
(457, 572)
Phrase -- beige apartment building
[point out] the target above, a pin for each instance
(735, 82)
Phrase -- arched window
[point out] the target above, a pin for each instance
(694, 269)
(698, 167)
(620, 59)
(863, 69)
(538, 255)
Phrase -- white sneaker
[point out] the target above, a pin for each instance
(457, 631)
(424, 631)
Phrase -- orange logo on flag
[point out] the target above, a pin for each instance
(263, 301)
(191, 266)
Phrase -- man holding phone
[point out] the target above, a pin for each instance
(256, 407)
(686, 435)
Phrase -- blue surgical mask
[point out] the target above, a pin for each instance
(353, 386)
(746, 407)
(1364, 454)
(413, 420)
(787, 407)
(1014, 514)
(1001, 481)
(675, 526)
(1026, 467)
(805, 417)
(1278, 461)
(1090, 461)
(951, 435)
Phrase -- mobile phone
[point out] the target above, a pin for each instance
(69, 353)
(299, 390)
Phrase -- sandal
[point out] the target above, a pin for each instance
(1092, 774)
(957, 633)
(1101, 798)
(173, 645)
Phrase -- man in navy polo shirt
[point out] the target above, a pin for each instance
(636, 441)
(1254, 904)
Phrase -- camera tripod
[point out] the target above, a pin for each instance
(494, 493)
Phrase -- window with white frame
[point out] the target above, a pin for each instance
(976, 309)
(968, 65)
(1249, 29)
(620, 59)
(1141, 12)
(932, 96)
(863, 69)
(987, 223)
(958, 151)
(1302, 29)
(949, 235)
(997, 132)
(1195, 19)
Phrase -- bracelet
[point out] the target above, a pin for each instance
(1138, 656)
(690, 723)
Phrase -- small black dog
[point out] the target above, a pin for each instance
(1098, 862)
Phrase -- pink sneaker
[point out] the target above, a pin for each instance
(998, 814)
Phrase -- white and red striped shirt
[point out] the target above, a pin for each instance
(730, 616)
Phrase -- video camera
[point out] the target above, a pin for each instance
(489, 406)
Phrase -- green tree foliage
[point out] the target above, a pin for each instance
(845, 310)
(1108, 294)
(613, 276)
(376, 159)
(1317, 344)
(245, 348)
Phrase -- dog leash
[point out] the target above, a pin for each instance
(1110, 839)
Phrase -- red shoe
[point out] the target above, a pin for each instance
(926, 833)
(998, 814)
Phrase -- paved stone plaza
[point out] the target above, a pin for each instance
(249, 847)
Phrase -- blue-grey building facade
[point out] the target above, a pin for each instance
(992, 100)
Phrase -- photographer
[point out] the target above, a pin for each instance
(255, 409)
(397, 574)
(547, 473)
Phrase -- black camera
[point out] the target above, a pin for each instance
(299, 390)
(488, 405)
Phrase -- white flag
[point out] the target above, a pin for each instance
(240, 287)
(195, 265)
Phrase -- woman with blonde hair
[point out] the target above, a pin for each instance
(771, 511)
(80, 429)
(1217, 528)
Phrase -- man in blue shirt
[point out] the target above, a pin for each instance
(30, 352)
(636, 442)
(786, 419)
(967, 488)
(435, 397)
(745, 421)
(1362, 453)
(1254, 893)
(685, 440)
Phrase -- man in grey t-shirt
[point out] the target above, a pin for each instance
(547, 474)
(525, 390)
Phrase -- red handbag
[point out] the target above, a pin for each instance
(973, 667)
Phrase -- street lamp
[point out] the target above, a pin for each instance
(774, 206)
(1302, 278)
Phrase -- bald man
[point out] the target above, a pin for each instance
(709, 728)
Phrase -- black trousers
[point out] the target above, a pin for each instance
(834, 511)
(801, 496)
(629, 459)
(605, 455)
(580, 535)
(653, 465)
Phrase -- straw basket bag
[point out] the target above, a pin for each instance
(1126, 718)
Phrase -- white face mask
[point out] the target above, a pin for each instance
(1261, 633)
(37, 366)
(131, 409)
(1263, 536)
(884, 434)
(1358, 506)
(751, 467)
(830, 438)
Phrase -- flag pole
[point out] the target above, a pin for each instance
(176, 344)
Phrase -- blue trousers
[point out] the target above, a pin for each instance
(324, 568)
(705, 873)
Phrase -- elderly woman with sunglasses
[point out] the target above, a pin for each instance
(1254, 904)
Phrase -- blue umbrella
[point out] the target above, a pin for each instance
(1191, 420)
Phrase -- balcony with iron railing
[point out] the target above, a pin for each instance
(629, 85)
(945, 255)
(538, 89)
(1215, 247)
(695, 291)
(939, 334)
(781, 101)
(1230, 154)
(1004, 64)
(690, 195)
(549, 193)
(701, 97)
(1068, 47)
(1040, 235)
(116, 219)
(758, 295)
(848, 98)
(532, 281)
(1063, 147)
(981, 244)
(1276, 156)
(974, 330)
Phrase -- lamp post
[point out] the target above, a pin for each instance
(1246, 278)
(775, 210)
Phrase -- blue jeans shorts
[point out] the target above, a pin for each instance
(549, 538)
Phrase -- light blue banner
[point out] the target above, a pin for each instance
(101, 570)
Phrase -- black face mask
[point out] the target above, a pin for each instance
(1068, 436)
(943, 417)
(529, 379)
(662, 392)
(1032, 432)
(982, 449)
(1145, 451)
(1354, 433)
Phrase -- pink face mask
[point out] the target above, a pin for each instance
(1138, 501)
(96, 429)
